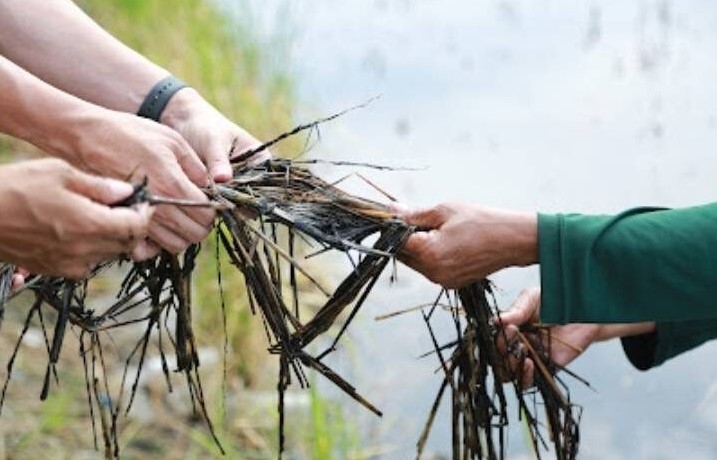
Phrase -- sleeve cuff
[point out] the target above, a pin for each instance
(640, 350)
(650, 350)
(550, 257)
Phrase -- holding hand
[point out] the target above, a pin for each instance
(127, 147)
(462, 243)
(58, 222)
(208, 132)
(564, 342)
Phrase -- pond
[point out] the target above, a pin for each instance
(579, 106)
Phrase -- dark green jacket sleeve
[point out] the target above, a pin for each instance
(667, 341)
(646, 264)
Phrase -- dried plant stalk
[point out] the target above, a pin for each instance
(479, 405)
(283, 194)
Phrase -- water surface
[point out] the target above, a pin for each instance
(539, 105)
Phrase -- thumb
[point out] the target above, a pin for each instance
(102, 190)
(216, 158)
(525, 310)
(126, 225)
(429, 218)
(415, 243)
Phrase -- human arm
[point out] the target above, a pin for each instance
(566, 342)
(57, 220)
(636, 266)
(646, 344)
(458, 243)
(76, 55)
(111, 144)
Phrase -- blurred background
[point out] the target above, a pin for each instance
(584, 106)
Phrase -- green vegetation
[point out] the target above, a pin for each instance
(233, 71)
(331, 434)
(221, 60)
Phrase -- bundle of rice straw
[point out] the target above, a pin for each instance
(284, 196)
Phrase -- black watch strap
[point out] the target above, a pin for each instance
(158, 98)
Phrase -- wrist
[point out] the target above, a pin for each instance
(181, 107)
(63, 129)
(80, 133)
(523, 239)
(611, 331)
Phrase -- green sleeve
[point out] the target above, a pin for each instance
(646, 264)
(667, 341)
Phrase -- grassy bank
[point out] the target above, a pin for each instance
(221, 60)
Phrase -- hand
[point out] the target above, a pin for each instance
(128, 147)
(18, 279)
(56, 220)
(209, 132)
(462, 243)
(565, 342)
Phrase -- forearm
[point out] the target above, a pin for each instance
(613, 331)
(34, 111)
(666, 341)
(70, 51)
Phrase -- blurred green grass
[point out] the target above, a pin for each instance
(224, 62)
(245, 80)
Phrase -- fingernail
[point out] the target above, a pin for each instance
(18, 281)
(141, 251)
(118, 189)
(221, 173)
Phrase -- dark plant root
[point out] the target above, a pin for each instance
(472, 375)
(282, 194)
(157, 293)
(6, 272)
(309, 208)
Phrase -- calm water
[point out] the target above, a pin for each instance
(547, 105)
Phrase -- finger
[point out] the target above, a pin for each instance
(426, 218)
(167, 239)
(523, 311)
(182, 224)
(505, 337)
(190, 162)
(145, 250)
(18, 281)
(177, 185)
(216, 158)
(99, 189)
(203, 217)
(127, 226)
(415, 243)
